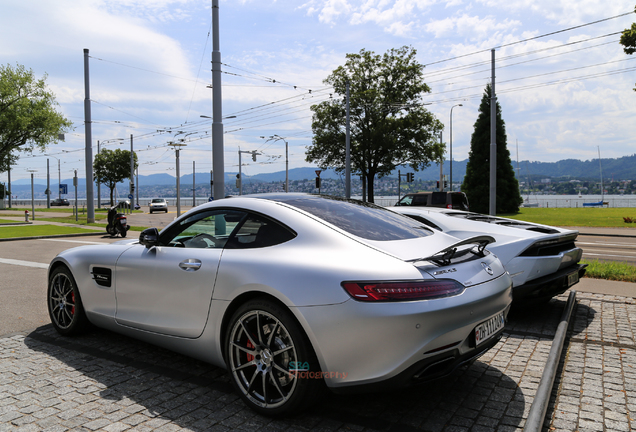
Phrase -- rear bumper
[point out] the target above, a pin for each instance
(426, 370)
(546, 287)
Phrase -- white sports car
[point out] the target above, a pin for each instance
(543, 261)
(290, 291)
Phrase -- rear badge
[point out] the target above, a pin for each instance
(487, 268)
(450, 270)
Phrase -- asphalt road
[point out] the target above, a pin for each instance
(23, 267)
(621, 249)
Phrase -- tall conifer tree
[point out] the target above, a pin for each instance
(476, 184)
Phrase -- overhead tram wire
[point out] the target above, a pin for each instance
(529, 39)
(526, 87)
(503, 59)
(500, 82)
(199, 71)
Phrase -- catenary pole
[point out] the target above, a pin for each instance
(88, 151)
(132, 175)
(217, 111)
(348, 151)
(493, 142)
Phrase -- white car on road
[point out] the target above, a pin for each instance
(542, 260)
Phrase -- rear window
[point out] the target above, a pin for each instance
(438, 199)
(459, 201)
(361, 219)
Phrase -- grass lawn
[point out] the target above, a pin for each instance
(39, 230)
(610, 270)
(5, 221)
(589, 217)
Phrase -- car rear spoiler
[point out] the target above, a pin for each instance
(446, 255)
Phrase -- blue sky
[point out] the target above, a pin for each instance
(562, 96)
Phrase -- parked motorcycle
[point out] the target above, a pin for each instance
(117, 223)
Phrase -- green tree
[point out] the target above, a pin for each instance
(111, 167)
(628, 40)
(389, 125)
(28, 116)
(477, 180)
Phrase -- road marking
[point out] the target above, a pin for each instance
(607, 244)
(606, 255)
(74, 241)
(23, 263)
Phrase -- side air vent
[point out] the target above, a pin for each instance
(102, 276)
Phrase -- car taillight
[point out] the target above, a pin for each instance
(402, 291)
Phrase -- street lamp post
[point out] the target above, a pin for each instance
(451, 145)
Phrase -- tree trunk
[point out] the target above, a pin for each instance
(112, 188)
(370, 191)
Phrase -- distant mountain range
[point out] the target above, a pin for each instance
(623, 168)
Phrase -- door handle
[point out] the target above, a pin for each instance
(190, 264)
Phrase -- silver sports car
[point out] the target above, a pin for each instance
(542, 260)
(290, 292)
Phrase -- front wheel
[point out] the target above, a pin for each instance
(271, 360)
(65, 304)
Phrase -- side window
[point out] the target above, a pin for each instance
(406, 200)
(420, 200)
(257, 232)
(208, 229)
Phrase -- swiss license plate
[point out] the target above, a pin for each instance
(487, 329)
(573, 278)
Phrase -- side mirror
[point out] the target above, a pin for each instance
(149, 237)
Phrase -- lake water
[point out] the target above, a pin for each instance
(547, 201)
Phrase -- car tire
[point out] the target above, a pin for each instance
(265, 348)
(65, 304)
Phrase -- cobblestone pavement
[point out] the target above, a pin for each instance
(106, 382)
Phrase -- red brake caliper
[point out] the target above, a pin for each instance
(250, 357)
(73, 300)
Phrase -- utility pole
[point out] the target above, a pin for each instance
(32, 195)
(441, 167)
(348, 151)
(218, 164)
(176, 147)
(99, 192)
(132, 175)
(193, 185)
(48, 185)
(88, 150)
(75, 184)
(493, 141)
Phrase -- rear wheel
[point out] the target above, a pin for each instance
(271, 360)
(65, 304)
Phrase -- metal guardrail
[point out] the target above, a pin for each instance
(536, 416)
